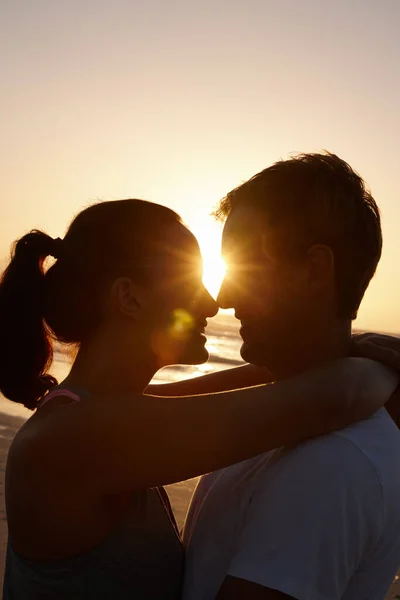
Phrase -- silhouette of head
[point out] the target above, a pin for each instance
(127, 267)
(302, 240)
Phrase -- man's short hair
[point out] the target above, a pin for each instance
(323, 201)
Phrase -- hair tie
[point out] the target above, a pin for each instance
(56, 248)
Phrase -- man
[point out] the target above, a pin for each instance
(302, 240)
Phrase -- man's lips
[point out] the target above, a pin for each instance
(245, 330)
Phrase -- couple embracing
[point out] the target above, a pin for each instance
(309, 508)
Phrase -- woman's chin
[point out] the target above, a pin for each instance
(195, 356)
(182, 352)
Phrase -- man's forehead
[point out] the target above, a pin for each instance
(244, 227)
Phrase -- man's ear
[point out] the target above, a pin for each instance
(126, 297)
(321, 267)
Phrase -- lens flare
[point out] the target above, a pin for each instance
(181, 325)
(170, 344)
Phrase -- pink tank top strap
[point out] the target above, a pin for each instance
(59, 392)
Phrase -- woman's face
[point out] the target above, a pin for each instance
(174, 304)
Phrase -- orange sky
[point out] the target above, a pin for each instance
(180, 101)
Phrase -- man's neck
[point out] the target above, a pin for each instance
(323, 346)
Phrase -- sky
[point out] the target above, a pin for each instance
(180, 101)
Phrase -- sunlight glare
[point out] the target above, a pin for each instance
(214, 272)
(208, 234)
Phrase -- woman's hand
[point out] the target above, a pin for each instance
(351, 389)
(386, 349)
(383, 348)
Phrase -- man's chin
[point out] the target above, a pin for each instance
(253, 353)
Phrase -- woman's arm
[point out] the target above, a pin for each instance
(377, 346)
(386, 349)
(220, 381)
(108, 445)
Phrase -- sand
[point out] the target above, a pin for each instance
(179, 493)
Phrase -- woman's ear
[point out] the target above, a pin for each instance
(126, 297)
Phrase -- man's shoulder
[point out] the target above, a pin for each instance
(367, 450)
(377, 435)
(378, 440)
(372, 427)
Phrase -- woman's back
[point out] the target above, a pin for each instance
(141, 557)
(120, 546)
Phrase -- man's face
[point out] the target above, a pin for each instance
(270, 290)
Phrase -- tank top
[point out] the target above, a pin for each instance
(141, 558)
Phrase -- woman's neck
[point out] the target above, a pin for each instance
(107, 368)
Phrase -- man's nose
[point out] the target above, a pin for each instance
(210, 305)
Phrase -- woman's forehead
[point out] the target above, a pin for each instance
(177, 247)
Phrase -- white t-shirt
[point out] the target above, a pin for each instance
(318, 522)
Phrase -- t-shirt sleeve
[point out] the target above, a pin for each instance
(311, 518)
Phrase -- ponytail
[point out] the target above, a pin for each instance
(25, 346)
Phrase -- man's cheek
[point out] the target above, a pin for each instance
(271, 299)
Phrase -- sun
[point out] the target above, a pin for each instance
(208, 234)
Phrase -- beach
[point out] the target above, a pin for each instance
(223, 344)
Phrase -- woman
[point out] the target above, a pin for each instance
(86, 519)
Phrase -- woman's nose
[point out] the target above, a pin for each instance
(210, 305)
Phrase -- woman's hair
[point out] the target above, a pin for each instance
(66, 301)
